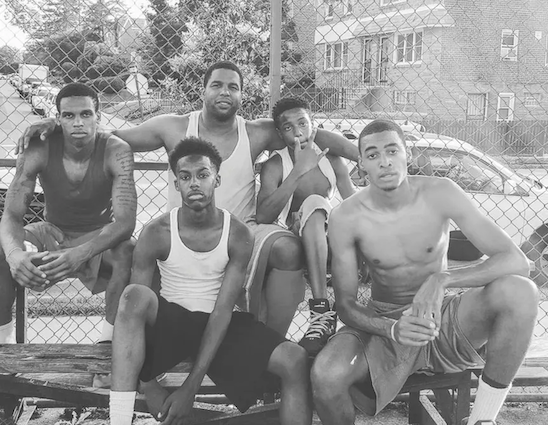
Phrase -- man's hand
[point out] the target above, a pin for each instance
(307, 159)
(177, 407)
(24, 270)
(62, 264)
(427, 301)
(44, 128)
(414, 331)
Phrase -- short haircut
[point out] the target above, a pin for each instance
(286, 104)
(77, 89)
(378, 126)
(194, 146)
(223, 65)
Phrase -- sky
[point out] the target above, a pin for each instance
(15, 37)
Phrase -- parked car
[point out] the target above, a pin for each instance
(43, 102)
(26, 86)
(35, 88)
(518, 204)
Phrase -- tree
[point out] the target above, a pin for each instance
(99, 16)
(209, 31)
(8, 55)
(164, 40)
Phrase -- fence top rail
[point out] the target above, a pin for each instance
(141, 165)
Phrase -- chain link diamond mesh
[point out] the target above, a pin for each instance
(467, 80)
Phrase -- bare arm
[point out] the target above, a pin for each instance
(148, 136)
(344, 269)
(344, 185)
(12, 232)
(119, 160)
(240, 247)
(153, 244)
(337, 144)
(274, 194)
(505, 257)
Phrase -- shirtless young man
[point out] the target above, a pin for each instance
(202, 252)
(277, 252)
(296, 185)
(400, 225)
(91, 203)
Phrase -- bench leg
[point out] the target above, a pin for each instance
(414, 408)
(462, 409)
(445, 404)
(11, 406)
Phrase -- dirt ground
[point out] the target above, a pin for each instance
(394, 414)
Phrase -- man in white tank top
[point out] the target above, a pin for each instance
(202, 252)
(297, 184)
(275, 272)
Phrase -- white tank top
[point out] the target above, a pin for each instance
(287, 165)
(193, 279)
(237, 190)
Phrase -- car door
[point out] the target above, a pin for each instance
(483, 182)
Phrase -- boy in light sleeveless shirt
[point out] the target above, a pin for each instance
(202, 252)
(297, 184)
(91, 203)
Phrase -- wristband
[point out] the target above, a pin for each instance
(392, 328)
(12, 251)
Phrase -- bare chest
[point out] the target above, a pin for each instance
(409, 240)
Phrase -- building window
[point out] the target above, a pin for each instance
(347, 6)
(336, 56)
(404, 97)
(505, 107)
(389, 2)
(509, 45)
(329, 9)
(409, 47)
(532, 100)
(546, 56)
(476, 109)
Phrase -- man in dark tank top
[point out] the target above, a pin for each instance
(91, 203)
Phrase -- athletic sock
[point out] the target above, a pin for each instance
(7, 333)
(107, 332)
(121, 405)
(488, 402)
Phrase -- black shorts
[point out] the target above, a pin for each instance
(239, 369)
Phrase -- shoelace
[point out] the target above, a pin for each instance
(319, 323)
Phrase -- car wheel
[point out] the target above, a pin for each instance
(536, 249)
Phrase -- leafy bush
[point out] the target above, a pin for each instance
(108, 84)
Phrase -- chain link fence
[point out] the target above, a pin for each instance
(467, 80)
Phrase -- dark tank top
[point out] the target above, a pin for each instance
(82, 207)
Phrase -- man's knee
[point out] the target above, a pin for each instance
(287, 254)
(135, 301)
(328, 376)
(513, 294)
(290, 361)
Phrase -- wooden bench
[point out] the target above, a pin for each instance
(64, 372)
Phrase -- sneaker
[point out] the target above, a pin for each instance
(323, 324)
(480, 422)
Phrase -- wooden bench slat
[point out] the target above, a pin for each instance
(62, 358)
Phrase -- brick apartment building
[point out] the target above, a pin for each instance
(431, 59)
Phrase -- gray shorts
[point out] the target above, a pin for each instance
(391, 363)
(44, 236)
